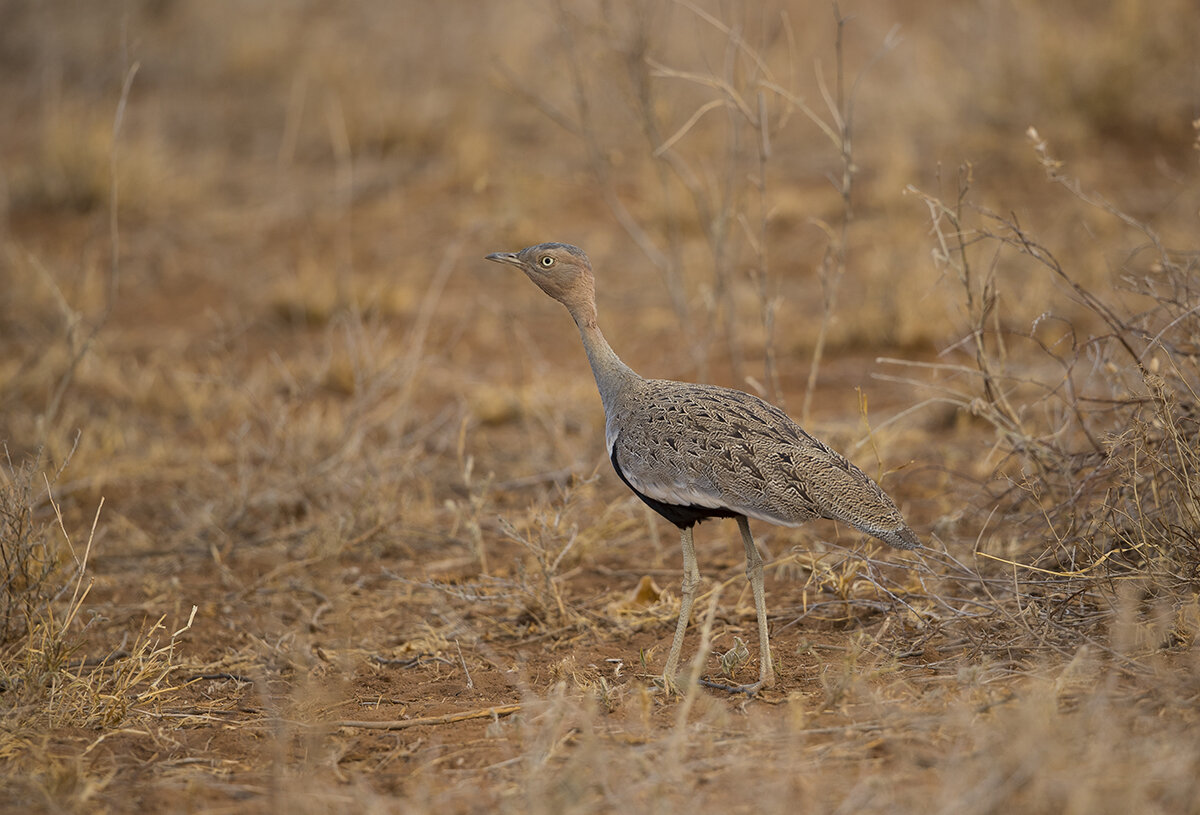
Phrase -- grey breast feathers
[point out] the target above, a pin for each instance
(716, 447)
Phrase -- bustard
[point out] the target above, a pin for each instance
(693, 452)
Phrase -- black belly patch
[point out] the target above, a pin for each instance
(682, 515)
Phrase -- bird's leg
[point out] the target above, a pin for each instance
(691, 580)
(754, 571)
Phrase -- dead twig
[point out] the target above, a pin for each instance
(449, 718)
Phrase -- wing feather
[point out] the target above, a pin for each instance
(704, 446)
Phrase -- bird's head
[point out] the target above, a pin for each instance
(561, 271)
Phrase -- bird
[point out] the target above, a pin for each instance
(693, 452)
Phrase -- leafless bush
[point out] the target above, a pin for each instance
(1095, 412)
(34, 567)
(28, 562)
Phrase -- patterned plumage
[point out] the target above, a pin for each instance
(705, 446)
(698, 451)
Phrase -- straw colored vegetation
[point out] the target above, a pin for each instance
(304, 507)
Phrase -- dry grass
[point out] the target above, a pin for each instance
(304, 508)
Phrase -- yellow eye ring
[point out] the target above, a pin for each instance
(547, 261)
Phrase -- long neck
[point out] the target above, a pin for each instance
(611, 373)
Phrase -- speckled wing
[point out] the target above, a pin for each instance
(699, 445)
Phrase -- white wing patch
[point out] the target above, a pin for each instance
(676, 493)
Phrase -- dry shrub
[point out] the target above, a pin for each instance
(30, 566)
(47, 587)
(1094, 476)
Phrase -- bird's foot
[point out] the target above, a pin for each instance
(666, 684)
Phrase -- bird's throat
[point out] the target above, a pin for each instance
(611, 373)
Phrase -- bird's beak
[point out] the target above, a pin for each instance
(504, 257)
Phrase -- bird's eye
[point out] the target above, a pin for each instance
(547, 261)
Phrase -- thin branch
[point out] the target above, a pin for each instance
(425, 721)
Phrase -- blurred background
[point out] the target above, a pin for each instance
(243, 300)
(314, 156)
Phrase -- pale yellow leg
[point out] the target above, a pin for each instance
(754, 572)
(691, 581)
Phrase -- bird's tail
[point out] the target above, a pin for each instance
(902, 538)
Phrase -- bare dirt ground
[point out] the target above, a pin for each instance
(305, 505)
